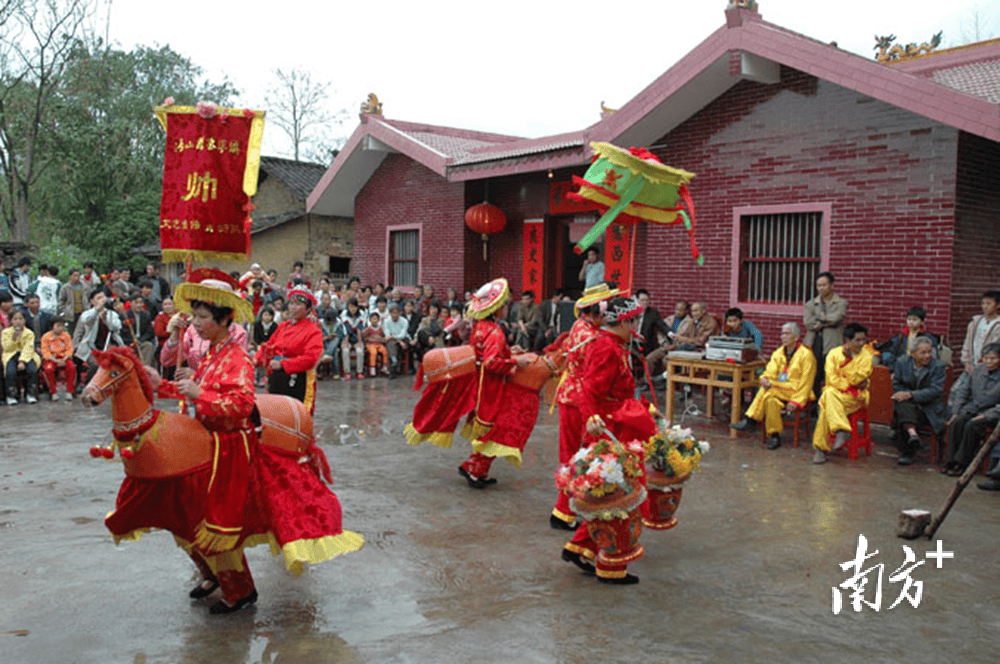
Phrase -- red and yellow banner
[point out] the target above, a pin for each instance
(617, 256)
(209, 174)
(560, 203)
(533, 275)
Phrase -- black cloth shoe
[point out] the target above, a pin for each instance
(476, 482)
(775, 442)
(221, 607)
(746, 424)
(201, 592)
(989, 485)
(577, 559)
(906, 459)
(627, 580)
(559, 524)
(994, 470)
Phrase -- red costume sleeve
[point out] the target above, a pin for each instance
(496, 354)
(227, 389)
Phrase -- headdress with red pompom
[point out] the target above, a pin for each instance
(303, 295)
(621, 309)
(488, 299)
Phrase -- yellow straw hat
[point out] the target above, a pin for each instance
(593, 295)
(216, 288)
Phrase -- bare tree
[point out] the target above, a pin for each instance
(39, 37)
(300, 107)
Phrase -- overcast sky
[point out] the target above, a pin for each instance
(521, 67)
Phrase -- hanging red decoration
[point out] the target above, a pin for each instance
(485, 219)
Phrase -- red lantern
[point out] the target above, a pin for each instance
(485, 219)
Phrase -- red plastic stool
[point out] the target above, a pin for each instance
(859, 440)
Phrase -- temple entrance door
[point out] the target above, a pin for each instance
(563, 269)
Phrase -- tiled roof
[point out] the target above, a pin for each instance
(456, 147)
(980, 79)
(263, 223)
(499, 153)
(300, 176)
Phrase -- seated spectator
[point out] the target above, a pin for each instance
(151, 304)
(430, 334)
(693, 334)
(19, 357)
(97, 327)
(412, 320)
(983, 330)
(6, 309)
(36, 320)
(917, 390)
(325, 307)
(352, 322)
(456, 327)
(278, 305)
(848, 370)
(57, 353)
(974, 411)
(138, 322)
(397, 338)
(331, 342)
(430, 298)
(902, 344)
(529, 322)
(452, 300)
(742, 329)
(382, 307)
(374, 341)
(297, 277)
(786, 384)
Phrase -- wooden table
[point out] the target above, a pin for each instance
(735, 377)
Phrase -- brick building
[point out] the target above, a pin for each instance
(807, 158)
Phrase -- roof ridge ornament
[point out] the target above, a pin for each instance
(889, 53)
(371, 107)
(744, 4)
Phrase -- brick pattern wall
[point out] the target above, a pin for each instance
(401, 191)
(889, 175)
(976, 257)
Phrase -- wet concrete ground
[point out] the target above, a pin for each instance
(450, 574)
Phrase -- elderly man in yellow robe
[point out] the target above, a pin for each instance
(848, 368)
(786, 384)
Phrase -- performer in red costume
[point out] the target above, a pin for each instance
(249, 494)
(571, 422)
(505, 414)
(293, 351)
(607, 398)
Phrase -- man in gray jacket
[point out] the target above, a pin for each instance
(917, 389)
(97, 328)
(824, 323)
(975, 411)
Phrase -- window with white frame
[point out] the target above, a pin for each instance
(404, 257)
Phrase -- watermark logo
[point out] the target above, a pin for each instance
(858, 582)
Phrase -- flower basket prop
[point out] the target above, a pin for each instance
(673, 454)
(603, 482)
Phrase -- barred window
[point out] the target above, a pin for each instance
(780, 255)
(404, 257)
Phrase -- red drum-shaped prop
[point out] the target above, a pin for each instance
(448, 363)
(664, 499)
(536, 374)
(485, 218)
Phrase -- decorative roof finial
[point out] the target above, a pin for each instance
(371, 107)
(744, 4)
(897, 52)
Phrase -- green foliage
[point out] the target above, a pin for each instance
(104, 192)
(59, 252)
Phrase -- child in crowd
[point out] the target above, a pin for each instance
(374, 341)
(57, 353)
(456, 328)
(352, 322)
(331, 341)
(902, 344)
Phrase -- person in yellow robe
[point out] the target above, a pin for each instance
(785, 384)
(848, 368)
